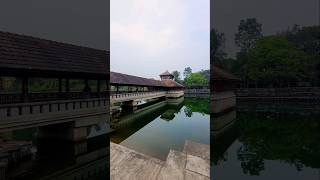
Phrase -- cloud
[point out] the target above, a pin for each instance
(158, 34)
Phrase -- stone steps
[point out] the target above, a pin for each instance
(191, 164)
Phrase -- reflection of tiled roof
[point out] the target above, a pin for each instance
(28, 53)
(167, 73)
(220, 74)
(124, 79)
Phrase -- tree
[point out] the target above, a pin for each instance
(307, 39)
(195, 79)
(176, 75)
(187, 71)
(217, 45)
(205, 74)
(249, 31)
(275, 60)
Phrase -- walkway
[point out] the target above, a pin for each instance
(134, 96)
(191, 164)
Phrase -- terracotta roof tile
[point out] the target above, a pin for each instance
(166, 73)
(125, 79)
(26, 52)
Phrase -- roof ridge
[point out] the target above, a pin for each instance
(52, 41)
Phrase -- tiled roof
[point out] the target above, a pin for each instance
(166, 73)
(124, 79)
(29, 53)
(171, 83)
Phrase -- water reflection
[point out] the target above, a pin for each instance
(57, 159)
(262, 142)
(164, 125)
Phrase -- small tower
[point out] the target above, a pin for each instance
(166, 75)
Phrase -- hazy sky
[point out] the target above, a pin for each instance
(151, 36)
(80, 22)
(275, 15)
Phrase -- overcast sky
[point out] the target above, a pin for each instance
(149, 37)
(275, 15)
(79, 22)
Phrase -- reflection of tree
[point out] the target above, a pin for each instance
(200, 105)
(188, 111)
(250, 163)
(292, 139)
(168, 115)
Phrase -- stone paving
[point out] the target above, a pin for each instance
(191, 164)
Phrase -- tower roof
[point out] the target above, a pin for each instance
(167, 73)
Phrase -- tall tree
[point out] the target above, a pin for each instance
(187, 71)
(195, 79)
(249, 31)
(176, 76)
(205, 74)
(217, 45)
(307, 39)
(275, 60)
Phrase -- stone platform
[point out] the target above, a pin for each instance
(191, 164)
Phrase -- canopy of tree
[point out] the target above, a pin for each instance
(195, 79)
(280, 60)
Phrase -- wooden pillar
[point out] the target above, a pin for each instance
(98, 85)
(25, 82)
(1, 84)
(25, 88)
(117, 88)
(86, 82)
(60, 85)
(67, 85)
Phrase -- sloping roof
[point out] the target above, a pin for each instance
(125, 79)
(119, 78)
(220, 74)
(28, 53)
(171, 83)
(167, 73)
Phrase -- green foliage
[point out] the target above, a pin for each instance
(291, 139)
(217, 44)
(37, 85)
(195, 79)
(205, 74)
(187, 71)
(176, 75)
(249, 31)
(200, 105)
(307, 39)
(275, 59)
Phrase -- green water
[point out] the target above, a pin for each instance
(268, 141)
(166, 126)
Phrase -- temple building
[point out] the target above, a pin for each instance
(124, 83)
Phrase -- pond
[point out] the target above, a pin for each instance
(57, 159)
(165, 125)
(264, 141)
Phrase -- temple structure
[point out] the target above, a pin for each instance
(223, 87)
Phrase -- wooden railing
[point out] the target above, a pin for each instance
(38, 97)
(135, 94)
(38, 108)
